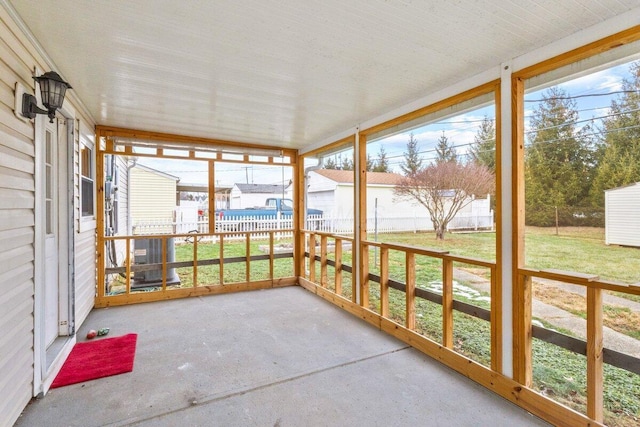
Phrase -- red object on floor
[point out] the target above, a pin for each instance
(97, 359)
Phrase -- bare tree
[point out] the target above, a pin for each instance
(445, 188)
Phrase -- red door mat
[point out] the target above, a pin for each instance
(97, 359)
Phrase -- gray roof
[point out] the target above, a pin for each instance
(261, 188)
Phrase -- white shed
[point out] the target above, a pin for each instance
(622, 215)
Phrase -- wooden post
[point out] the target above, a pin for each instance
(211, 215)
(411, 290)
(163, 242)
(195, 261)
(221, 259)
(299, 217)
(447, 303)
(521, 285)
(364, 276)
(323, 261)
(247, 251)
(271, 255)
(127, 260)
(496, 323)
(523, 370)
(595, 377)
(312, 257)
(384, 282)
(338, 267)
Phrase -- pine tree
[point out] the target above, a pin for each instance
(558, 159)
(370, 163)
(346, 164)
(483, 151)
(412, 162)
(330, 163)
(445, 152)
(382, 164)
(620, 161)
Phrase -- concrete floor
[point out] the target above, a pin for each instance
(280, 357)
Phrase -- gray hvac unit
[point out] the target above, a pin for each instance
(149, 251)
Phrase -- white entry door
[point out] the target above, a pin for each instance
(54, 208)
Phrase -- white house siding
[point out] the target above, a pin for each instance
(242, 201)
(17, 232)
(622, 216)
(84, 240)
(153, 196)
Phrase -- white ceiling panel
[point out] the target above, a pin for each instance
(284, 72)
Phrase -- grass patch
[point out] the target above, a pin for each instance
(620, 319)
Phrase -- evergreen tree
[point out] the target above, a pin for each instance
(329, 163)
(370, 163)
(620, 162)
(412, 162)
(558, 159)
(483, 151)
(346, 164)
(445, 152)
(382, 164)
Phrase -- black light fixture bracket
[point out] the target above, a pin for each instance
(30, 107)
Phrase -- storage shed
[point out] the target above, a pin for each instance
(622, 215)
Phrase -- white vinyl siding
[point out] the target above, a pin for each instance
(17, 202)
(153, 196)
(17, 227)
(622, 216)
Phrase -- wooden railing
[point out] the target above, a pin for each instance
(519, 389)
(593, 349)
(361, 296)
(163, 289)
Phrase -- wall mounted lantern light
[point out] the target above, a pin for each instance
(52, 89)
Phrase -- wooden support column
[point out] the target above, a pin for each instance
(127, 260)
(271, 255)
(163, 241)
(323, 261)
(523, 370)
(195, 261)
(222, 259)
(411, 290)
(338, 267)
(496, 323)
(247, 251)
(521, 285)
(595, 378)
(299, 216)
(384, 281)
(497, 273)
(212, 197)
(447, 303)
(312, 257)
(360, 208)
(364, 276)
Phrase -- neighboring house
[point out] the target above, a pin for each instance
(251, 195)
(331, 191)
(153, 198)
(622, 215)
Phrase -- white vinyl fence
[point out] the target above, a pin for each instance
(345, 226)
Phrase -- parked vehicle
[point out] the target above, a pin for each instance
(277, 213)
